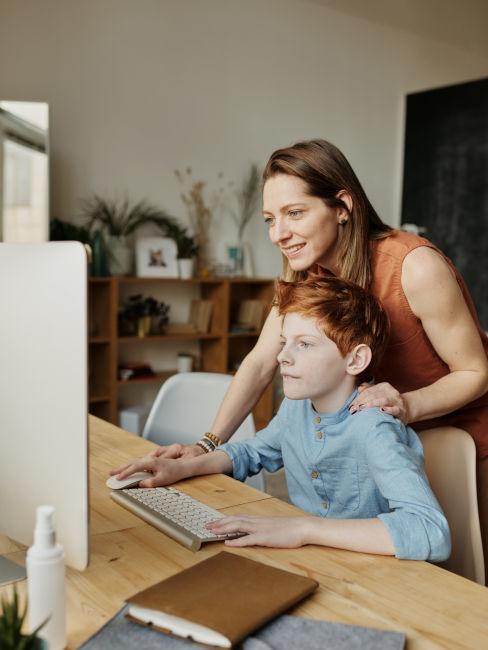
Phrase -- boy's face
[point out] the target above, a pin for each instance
(311, 364)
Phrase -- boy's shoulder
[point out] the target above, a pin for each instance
(375, 425)
(375, 421)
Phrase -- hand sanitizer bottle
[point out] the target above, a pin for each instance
(45, 581)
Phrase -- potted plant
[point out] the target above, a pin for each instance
(187, 252)
(142, 316)
(11, 623)
(119, 221)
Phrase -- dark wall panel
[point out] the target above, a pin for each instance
(445, 186)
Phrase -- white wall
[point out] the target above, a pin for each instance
(139, 88)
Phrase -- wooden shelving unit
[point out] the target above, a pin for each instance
(219, 350)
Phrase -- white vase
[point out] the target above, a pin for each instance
(248, 260)
(185, 268)
(121, 257)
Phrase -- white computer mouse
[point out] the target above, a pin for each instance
(132, 480)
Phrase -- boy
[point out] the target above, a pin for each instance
(360, 475)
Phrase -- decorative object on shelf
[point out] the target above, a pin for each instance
(11, 623)
(186, 267)
(250, 316)
(187, 252)
(200, 319)
(247, 198)
(137, 370)
(201, 213)
(185, 362)
(141, 316)
(156, 257)
(201, 315)
(118, 221)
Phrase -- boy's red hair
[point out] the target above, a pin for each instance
(346, 313)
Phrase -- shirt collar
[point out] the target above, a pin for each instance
(337, 416)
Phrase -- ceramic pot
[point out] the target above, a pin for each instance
(185, 268)
(121, 257)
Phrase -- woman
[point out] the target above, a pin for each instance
(435, 369)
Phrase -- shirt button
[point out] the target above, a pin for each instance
(319, 435)
(315, 474)
(317, 420)
(325, 503)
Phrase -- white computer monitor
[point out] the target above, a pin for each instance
(43, 392)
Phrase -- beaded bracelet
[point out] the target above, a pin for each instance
(203, 444)
(213, 438)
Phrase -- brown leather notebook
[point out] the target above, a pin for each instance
(219, 601)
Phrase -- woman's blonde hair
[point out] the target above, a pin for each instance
(326, 172)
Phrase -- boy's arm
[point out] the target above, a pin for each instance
(249, 456)
(363, 535)
(416, 523)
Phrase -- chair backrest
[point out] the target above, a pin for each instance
(450, 464)
(185, 408)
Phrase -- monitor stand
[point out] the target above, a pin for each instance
(10, 572)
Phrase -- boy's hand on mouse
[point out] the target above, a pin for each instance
(165, 470)
(277, 532)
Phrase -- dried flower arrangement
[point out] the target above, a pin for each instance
(201, 212)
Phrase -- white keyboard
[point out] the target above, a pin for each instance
(175, 513)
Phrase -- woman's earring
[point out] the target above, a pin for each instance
(342, 221)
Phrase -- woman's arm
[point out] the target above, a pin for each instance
(170, 470)
(436, 299)
(255, 373)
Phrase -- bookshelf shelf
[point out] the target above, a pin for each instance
(219, 350)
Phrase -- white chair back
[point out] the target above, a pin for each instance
(450, 464)
(185, 408)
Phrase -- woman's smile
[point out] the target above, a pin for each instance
(292, 251)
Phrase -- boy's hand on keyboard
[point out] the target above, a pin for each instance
(277, 532)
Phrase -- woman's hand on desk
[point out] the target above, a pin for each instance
(277, 532)
(177, 450)
(165, 470)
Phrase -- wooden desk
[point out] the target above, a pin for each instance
(432, 606)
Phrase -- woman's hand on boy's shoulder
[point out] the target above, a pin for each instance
(277, 532)
(383, 396)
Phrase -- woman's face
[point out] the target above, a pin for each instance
(302, 226)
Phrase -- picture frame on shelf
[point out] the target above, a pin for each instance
(156, 257)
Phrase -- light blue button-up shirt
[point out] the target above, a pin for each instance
(347, 466)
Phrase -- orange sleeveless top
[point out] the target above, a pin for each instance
(410, 361)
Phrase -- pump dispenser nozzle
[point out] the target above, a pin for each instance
(44, 534)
